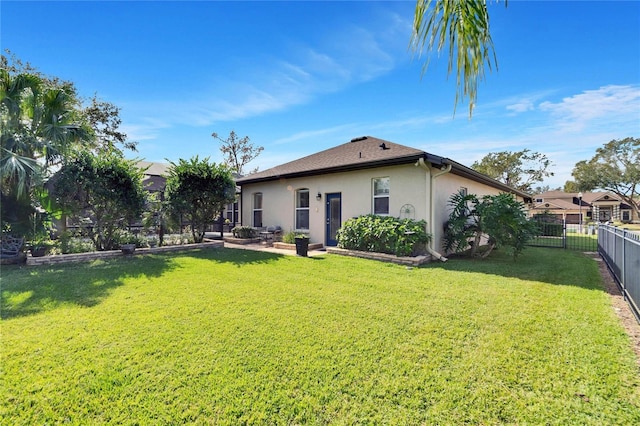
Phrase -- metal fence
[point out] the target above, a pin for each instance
(559, 234)
(620, 249)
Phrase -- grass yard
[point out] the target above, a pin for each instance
(239, 337)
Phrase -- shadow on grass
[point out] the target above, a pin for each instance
(31, 290)
(548, 265)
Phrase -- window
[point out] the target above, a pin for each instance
(464, 191)
(257, 209)
(626, 215)
(302, 208)
(381, 196)
(232, 212)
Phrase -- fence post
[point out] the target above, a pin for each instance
(623, 274)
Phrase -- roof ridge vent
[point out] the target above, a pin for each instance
(361, 138)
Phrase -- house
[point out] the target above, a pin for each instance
(367, 175)
(578, 207)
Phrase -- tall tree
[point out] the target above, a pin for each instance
(570, 186)
(519, 169)
(104, 118)
(106, 189)
(238, 152)
(198, 191)
(38, 123)
(615, 168)
(463, 27)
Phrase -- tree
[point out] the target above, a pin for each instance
(615, 168)
(198, 191)
(105, 191)
(104, 118)
(463, 26)
(570, 186)
(42, 123)
(38, 123)
(519, 169)
(238, 152)
(501, 219)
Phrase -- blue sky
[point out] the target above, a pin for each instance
(300, 77)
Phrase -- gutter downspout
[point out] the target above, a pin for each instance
(447, 169)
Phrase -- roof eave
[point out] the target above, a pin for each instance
(346, 168)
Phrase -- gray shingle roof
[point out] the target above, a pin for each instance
(359, 153)
(362, 153)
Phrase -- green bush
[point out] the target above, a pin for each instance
(383, 234)
(244, 232)
(289, 237)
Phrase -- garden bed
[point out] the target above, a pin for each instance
(287, 246)
(401, 260)
(243, 241)
(110, 254)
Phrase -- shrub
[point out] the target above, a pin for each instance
(244, 232)
(289, 237)
(382, 234)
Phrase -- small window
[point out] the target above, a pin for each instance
(464, 191)
(539, 200)
(257, 209)
(626, 215)
(302, 208)
(381, 196)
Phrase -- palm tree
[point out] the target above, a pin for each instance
(463, 27)
(38, 126)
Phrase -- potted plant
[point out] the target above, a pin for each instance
(128, 243)
(302, 244)
(40, 246)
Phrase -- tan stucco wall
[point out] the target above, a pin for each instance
(444, 187)
(407, 186)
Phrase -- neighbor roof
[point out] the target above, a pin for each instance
(363, 153)
(154, 169)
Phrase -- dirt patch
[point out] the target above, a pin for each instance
(620, 306)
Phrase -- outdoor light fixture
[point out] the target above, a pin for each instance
(319, 196)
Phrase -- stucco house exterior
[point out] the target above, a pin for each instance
(575, 208)
(317, 193)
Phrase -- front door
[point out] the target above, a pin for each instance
(333, 218)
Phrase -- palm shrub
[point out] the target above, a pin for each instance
(498, 219)
(384, 234)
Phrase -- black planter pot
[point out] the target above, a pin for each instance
(38, 251)
(302, 246)
(128, 248)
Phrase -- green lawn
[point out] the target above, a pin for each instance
(239, 337)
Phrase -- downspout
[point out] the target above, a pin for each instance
(430, 224)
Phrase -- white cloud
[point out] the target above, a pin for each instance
(342, 58)
(610, 104)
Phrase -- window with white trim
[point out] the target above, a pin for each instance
(626, 215)
(302, 208)
(381, 196)
(257, 209)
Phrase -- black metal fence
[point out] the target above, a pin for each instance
(557, 233)
(620, 249)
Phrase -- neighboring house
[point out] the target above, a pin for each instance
(576, 207)
(316, 194)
